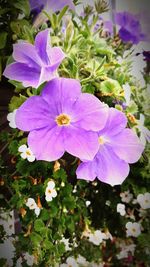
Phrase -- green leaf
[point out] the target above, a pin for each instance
(110, 86)
(36, 239)
(23, 5)
(39, 225)
(62, 13)
(16, 102)
(47, 244)
(3, 39)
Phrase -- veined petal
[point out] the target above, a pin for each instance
(116, 122)
(56, 55)
(42, 45)
(127, 146)
(61, 93)
(81, 143)
(22, 73)
(24, 52)
(90, 113)
(47, 74)
(111, 169)
(34, 113)
(87, 170)
(46, 143)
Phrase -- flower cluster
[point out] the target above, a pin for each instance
(63, 119)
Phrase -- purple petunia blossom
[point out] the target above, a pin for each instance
(118, 146)
(50, 5)
(130, 27)
(36, 63)
(62, 119)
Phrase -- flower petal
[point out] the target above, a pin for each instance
(46, 143)
(61, 93)
(90, 113)
(56, 55)
(127, 146)
(81, 143)
(42, 45)
(34, 113)
(24, 52)
(116, 122)
(87, 170)
(21, 72)
(110, 169)
(22, 148)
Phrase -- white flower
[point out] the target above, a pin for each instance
(133, 229)
(31, 204)
(66, 243)
(29, 259)
(125, 250)
(70, 262)
(26, 153)
(50, 192)
(11, 119)
(144, 200)
(127, 93)
(144, 132)
(126, 196)
(122, 254)
(37, 211)
(97, 237)
(82, 261)
(121, 209)
(87, 203)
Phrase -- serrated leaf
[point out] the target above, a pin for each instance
(39, 225)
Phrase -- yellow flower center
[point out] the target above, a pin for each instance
(63, 120)
(28, 153)
(101, 140)
(133, 230)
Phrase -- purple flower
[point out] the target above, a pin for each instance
(50, 5)
(62, 119)
(130, 27)
(36, 63)
(118, 146)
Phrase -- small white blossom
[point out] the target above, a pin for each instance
(87, 203)
(97, 237)
(29, 259)
(144, 132)
(144, 200)
(126, 196)
(50, 192)
(133, 229)
(121, 209)
(66, 243)
(26, 153)
(31, 204)
(127, 93)
(125, 249)
(37, 211)
(11, 118)
(70, 262)
(82, 261)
